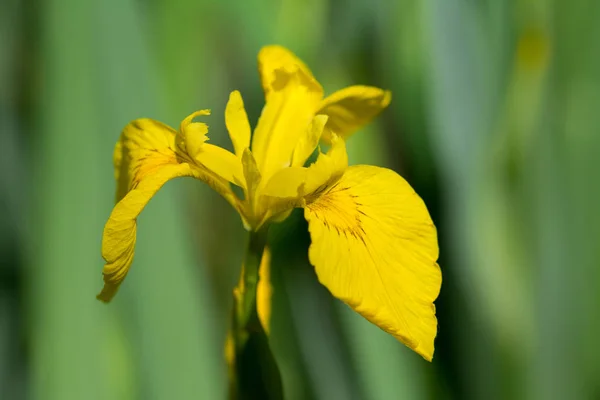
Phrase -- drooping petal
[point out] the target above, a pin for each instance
(273, 58)
(286, 115)
(118, 241)
(374, 246)
(237, 123)
(351, 108)
(147, 155)
(145, 146)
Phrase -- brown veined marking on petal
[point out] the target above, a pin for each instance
(327, 205)
(145, 145)
(351, 229)
(150, 162)
(147, 160)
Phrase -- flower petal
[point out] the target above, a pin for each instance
(219, 161)
(374, 246)
(273, 58)
(237, 123)
(146, 156)
(222, 163)
(287, 113)
(264, 291)
(119, 237)
(295, 186)
(301, 182)
(351, 108)
(194, 133)
(251, 215)
(145, 145)
(309, 141)
(251, 173)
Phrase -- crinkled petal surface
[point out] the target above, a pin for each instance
(147, 155)
(219, 161)
(193, 133)
(353, 107)
(118, 241)
(375, 247)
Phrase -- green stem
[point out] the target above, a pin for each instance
(246, 300)
(253, 371)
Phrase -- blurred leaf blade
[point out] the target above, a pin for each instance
(66, 315)
(100, 77)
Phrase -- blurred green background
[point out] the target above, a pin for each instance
(495, 121)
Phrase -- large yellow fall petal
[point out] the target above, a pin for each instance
(351, 108)
(375, 247)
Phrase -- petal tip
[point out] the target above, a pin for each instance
(106, 295)
(270, 48)
(387, 98)
(427, 357)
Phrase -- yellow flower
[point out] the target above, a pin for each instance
(374, 245)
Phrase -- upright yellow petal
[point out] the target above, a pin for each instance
(251, 215)
(219, 161)
(273, 58)
(194, 133)
(222, 163)
(237, 123)
(287, 113)
(309, 141)
(374, 246)
(251, 173)
(351, 108)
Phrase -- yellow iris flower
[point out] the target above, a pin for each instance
(374, 245)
